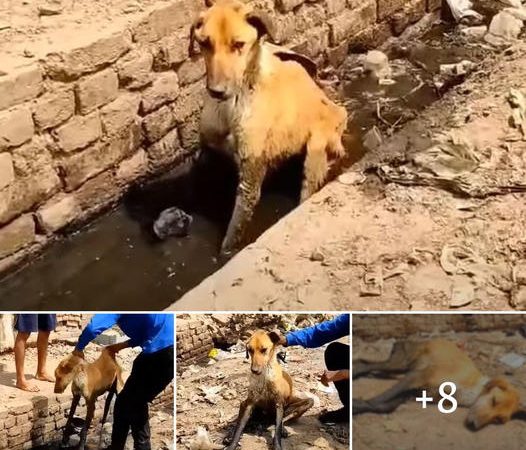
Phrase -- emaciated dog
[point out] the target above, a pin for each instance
(270, 388)
(261, 107)
(426, 365)
(88, 380)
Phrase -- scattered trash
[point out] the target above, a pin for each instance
(373, 139)
(372, 283)
(351, 178)
(172, 222)
(462, 292)
(326, 389)
(202, 441)
(314, 397)
(517, 102)
(400, 269)
(513, 360)
(461, 11)
(211, 394)
(477, 32)
(462, 68)
(376, 64)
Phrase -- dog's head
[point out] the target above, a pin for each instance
(66, 370)
(229, 33)
(497, 403)
(261, 349)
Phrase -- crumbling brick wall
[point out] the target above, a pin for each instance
(31, 423)
(79, 127)
(385, 326)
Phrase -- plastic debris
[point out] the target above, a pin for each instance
(513, 360)
(462, 10)
(202, 441)
(376, 63)
(172, 222)
(517, 102)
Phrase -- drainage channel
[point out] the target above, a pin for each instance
(115, 263)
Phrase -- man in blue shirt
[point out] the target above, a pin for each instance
(152, 370)
(337, 359)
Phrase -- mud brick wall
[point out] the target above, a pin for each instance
(80, 126)
(385, 326)
(193, 340)
(28, 424)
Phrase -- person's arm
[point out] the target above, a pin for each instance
(334, 376)
(320, 334)
(98, 324)
(116, 348)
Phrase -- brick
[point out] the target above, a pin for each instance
(71, 65)
(97, 90)
(189, 102)
(334, 6)
(189, 133)
(133, 168)
(120, 113)
(57, 213)
(79, 132)
(351, 22)
(164, 89)
(26, 192)
(13, 237)
(171, 51)
(387, 7)
(308, 17)
(31, 157)
(54, 108)
(84, 165)
(165, 21)
(21, 408)
(165, 152)
(134, 70)
(16, 127)
(285, 6)
(94, 195)
(22, 419)
(11, 420)
(24, 84)
(158, 123)
(7, 170)
(191, 71)
(315, 42)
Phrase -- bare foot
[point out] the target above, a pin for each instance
(25, 386)
(45, 377)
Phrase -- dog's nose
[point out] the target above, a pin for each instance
(216, 93)
(256, 371)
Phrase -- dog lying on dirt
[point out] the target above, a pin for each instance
(426, 365)
(261, 107)
(270, 388)
(88, 380)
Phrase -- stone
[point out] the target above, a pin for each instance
(16, 127)
(50, 8)
(189, 133)
(164, 152)
(132, 168)
(32, 157)
(351, 22)
(158, 123)
(171, 51)
(96, 194)
(120, 113)
(334, 6)
(25, 192)
(78, 132)
(505, 26)
(97, 90)
(476, 32)
(54, 108)
(376, 64)
(134, 70)
(191, 71)
(13, 237)
(71, 65)
(19, 86)
(57, 213)
(285, 6)
(164, 89)
(164, 21)
(189, 102)
(7, 170)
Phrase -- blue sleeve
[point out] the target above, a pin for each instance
(322, 333)
(98, 324)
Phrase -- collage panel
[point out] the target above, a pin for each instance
(86, 381)
(260, 381)
(436, 381)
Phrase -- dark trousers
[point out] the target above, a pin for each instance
(337, 357)
(151, 373)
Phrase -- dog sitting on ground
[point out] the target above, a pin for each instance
(270, 388)
(261, 107)
(426, 365)
(88, 380)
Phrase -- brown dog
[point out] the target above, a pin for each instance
(262, 107)
(88, 380)
(426, 365)
(270, 388)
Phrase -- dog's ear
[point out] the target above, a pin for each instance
(209, 3)
(262, 22)
(275, 337)
(246, 352)
(308, 64)
(192, 51)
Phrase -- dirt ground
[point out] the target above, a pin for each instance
(161, 419)
(399, 232)
(411, 427)
(226, 380)
(29, 30)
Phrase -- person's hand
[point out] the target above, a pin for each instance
(331, 376)
(78, 353)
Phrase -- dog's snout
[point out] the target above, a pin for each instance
(471, 424)
(217, 92)
(256, 370)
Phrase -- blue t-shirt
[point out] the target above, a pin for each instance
(151, 332)
(322, 333)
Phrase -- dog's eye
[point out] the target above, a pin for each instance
(238, 45)
(206, 43)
